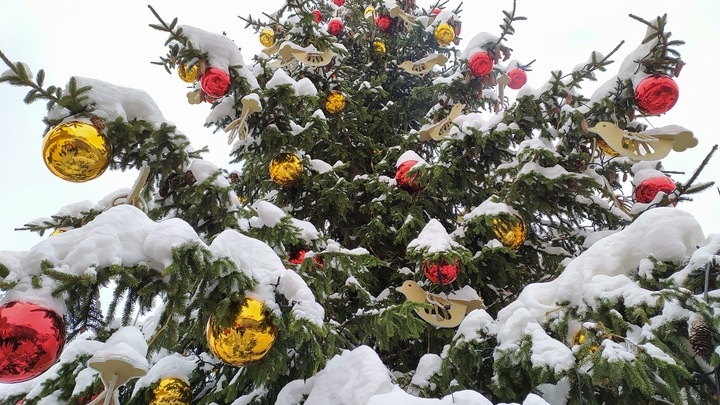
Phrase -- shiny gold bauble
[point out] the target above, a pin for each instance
(606, 149)
(172, 391)
(444, 34)
(286, 169)
(379, 48)
(248, 340)
(188, 76)
(267, 37)
(510, 233)
(76, 151)
(579, 338)
(335, 102)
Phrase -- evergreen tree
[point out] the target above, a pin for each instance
(399, 228)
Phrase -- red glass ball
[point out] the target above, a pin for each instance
(518, 78)
(335, 26)
(384, 22)
(648, 189)
(318, 16)
(480, 64)
(339, 3)
(449, 272)
(298, 255)
(656, 94)
(31, 340)
(215, 82)
(404, 181)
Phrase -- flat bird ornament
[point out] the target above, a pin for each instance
(653, 144)
(445, 312)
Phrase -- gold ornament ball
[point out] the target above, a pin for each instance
(579, 338)
(76, 151)
(188, 76)
(286, 169)
(606, 149)
(379, 48)
(444, 34)
(267, 37)
(172, 391)
(335, 102)
(510, 233)
(248, 340)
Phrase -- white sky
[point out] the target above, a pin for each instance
(111, 41)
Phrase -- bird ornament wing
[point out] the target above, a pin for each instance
(440, 129)
(654, 144)
(444, 313)
(425, 64)
(314, 58)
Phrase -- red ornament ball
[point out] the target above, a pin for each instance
(648, 189)
(518, 78)
(404, 181)
(335, 26)
(339, 3)
(447, 271)
(480, 64)
(215, 82)
(31, 340)
(298, 255)
(384, 22)
(436, 11)
(656, 94)
(318, 16)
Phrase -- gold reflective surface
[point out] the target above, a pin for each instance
(172, 391)
(286, 169)
(444, 34)
(510, 234)
(76, 151)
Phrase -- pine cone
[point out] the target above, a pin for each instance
(701, 337)
(175, 182)
(190, 178)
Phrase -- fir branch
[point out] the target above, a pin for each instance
(658, 59)
(506, 26)
(20, 77)
(169, 28)
(687, 187)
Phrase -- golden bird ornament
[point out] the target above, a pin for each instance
(425, 64)
(438, 130)
(653, 144)
(445, 312)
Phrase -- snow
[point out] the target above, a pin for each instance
(643, 171)
(302, 87)
(174, 365)
(410, 155)
(488, 207)
(433, 239)
(320, 166)
(473, 325)
(308, 232)
(477, 43)
(429, 364)
(202, 170)
(128, 345)
(399, 397)
(222, 51)
(269, 214)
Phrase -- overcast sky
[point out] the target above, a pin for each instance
(111, 41)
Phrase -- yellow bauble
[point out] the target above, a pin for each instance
(335, 102)
(579, 338)
(369, 12)
(286, 169)
(511, 234)
(444, 34)
(76, 151)
(606, 149)
(379, 48)
(186, 75)
(172, 391)
(248, 340)
(267, 37)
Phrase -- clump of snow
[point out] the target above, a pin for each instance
(308, 232)
(399, 397)
(477, 44)
(434, 238)
(320, 166)
(489, 207)
(428, 366)
(410, 155)
(474, 324)
(269, 213)
(126, 345)
(172, 366)
(302, 87)
(222, 51)
(643, 171)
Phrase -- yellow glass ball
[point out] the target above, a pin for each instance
(369, 12)
(511, 234)
(579, 338)
(251, 337)
(188, 76)
(335, 102)
(606, 149)
(286, 169)
(172, 391)
(379, 48)
(76, 151)
(267, 37)
(444, 34)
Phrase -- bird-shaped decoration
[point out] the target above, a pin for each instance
(445, 312)
(251, 104)
(652, 144)
(425, 64)
(438, 130)
(398, 12)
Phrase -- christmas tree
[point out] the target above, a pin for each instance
(407, 221)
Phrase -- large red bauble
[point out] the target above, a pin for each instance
(480, 64)
(384, 22)
(518, 78)
(335, 26)
(404, 181)
(31, 340)
(298, 255)
(339, 3)
(648, 189)
(318, 15)
(215, 82)
(449, 272)
(656, 94)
